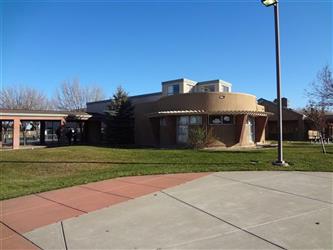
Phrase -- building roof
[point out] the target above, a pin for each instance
(262, 100)
(130, 97)
(26, 111)
(179, 80)
(214, 81)
(145, 95)
(32, 113)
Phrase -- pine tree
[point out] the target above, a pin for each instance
(120, 122)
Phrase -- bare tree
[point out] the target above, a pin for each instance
(73, 96)
(23, 97)
(320, 100)
(321, 90)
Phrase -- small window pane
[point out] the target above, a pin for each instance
(195, 120)
(215, 119)
(173, 89)
(211, 88)
(176, 89)
(225, 89)
(183, 120)
(170, 90)
(208, 88)
(163, 122)
(228, 119)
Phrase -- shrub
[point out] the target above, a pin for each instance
(197, 137)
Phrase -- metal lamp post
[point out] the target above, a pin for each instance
(267, 3)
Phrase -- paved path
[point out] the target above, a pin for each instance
(226, 210)
(21, 215)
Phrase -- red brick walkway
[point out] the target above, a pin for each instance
(23, 214)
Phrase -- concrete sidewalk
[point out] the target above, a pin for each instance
(227, 210)
(24, 214)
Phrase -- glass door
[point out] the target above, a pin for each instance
(251, 129)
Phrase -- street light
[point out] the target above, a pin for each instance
(269, 2)
(275, 3)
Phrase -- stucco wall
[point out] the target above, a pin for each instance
(225, 135)
(143, 129)
(210, 102)
(168, 132)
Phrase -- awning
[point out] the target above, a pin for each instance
(203, 112)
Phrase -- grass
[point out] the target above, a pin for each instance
(32, 171)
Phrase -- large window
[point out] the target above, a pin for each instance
(6, 134)
(221, 119)
(182, 129)
(183, 123)
(173, 89)
(51, 131)
(29, 132)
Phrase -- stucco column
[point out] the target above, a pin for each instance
(241, 133)
(261, 122)
(16, 134)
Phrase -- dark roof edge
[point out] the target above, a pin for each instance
(177, 80)
(144, 95)
(28, 111)
(107, 100)
(130, 97)
(213, 81)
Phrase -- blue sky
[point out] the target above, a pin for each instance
(139, 44)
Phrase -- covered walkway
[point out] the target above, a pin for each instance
(38, 127)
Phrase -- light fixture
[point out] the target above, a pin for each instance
(268, 3)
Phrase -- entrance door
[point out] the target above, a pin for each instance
(251, 129)
(182, 129)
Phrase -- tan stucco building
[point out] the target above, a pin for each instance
(162, 119)
(232, 119)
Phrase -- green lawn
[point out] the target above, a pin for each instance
(31, 171)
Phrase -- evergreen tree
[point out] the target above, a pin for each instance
(120, 122)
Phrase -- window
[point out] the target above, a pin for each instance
(163, 122)
(221, 119)
(208, 88)
(182, 129)
(226, 89)
(195, 120)
(173, 89)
